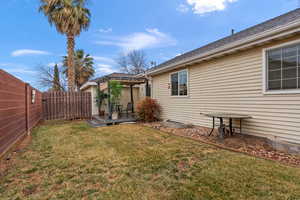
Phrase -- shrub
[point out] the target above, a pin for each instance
(148, 110)
(115, 94)
(115, 91)
(101, 96)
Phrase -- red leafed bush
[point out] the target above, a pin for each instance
(148, 110)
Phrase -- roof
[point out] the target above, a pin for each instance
(87, 85)
(114, 75)
(245, 34)
(128, 79)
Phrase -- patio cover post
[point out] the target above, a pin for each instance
(98, 90)
(131, 97)
(148, 93)
(108, 100)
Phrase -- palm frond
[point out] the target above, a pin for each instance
(68, 16)
(84, 67)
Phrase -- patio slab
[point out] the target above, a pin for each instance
(105, 121)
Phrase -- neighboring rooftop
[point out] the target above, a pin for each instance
(122, 77)
(126, 79)
(265, 26)
(114, 75)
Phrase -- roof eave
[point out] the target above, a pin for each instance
(88, 84)
(279, 32)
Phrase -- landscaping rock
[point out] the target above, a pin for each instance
(251, 145)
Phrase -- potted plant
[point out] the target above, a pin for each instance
(115, 95)
(101, 96)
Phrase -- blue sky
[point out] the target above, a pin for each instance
(162, 28)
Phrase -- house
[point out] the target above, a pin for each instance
(254, 72)
(134, 89)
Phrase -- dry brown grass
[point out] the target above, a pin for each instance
(74, 161)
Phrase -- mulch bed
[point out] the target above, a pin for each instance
(239, 143)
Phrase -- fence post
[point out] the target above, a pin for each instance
(27, 108)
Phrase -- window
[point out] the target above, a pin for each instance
(283, 70)
(179, 83)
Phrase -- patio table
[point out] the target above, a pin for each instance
(221, 117)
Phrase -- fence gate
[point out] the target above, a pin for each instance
(67, 105)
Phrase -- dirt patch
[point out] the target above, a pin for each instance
(8, 160)
(251, 145)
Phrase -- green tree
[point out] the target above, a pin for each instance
(84, 67)
(101, 96)
(51, 78)
(56, 80)
(115, 92)
(70, 18)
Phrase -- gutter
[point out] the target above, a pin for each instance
(232, 47)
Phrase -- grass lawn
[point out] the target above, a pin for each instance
(73, 161)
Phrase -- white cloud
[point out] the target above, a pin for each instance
(108, 30)
(182, 8)
(104, 59)
(205, 6)
(151, 38)
(14, 68)
(23, 52)
(104, 66)
(5, 64)
(102, 69)
(21, 71)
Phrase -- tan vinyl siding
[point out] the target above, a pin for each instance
(142, 91)
(232, 83)
(126, 97)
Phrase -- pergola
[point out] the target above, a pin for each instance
(125, 79)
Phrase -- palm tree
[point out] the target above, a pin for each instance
(84, 68)
(70, 17)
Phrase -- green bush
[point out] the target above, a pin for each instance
(115, 91)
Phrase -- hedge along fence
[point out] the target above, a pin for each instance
(20, 110)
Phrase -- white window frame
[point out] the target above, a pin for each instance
(265, 71)
(188, 80)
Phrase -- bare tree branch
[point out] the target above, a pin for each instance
(46, 78)
(123, 63)
(133, 63)
(137, 60)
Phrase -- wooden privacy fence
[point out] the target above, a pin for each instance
(20, 110)
(22, 107)
(67, 105)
